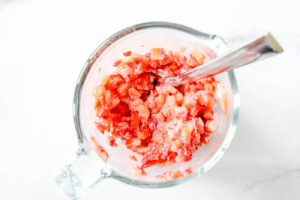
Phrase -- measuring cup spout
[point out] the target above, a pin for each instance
(84, 173)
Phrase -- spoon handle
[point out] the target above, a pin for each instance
(259, 49)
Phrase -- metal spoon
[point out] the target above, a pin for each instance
(259, 49)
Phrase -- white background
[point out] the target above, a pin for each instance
(44, 44)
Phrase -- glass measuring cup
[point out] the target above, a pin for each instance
(88, 169)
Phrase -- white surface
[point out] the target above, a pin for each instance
(43, 46)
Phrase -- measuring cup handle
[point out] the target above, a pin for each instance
(86, 171)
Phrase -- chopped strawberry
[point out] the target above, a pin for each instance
(179, 98)
(169, 176)
(133, 158)
(139, 171)
(210, 126)
(221, 96)
(134, 93)
(113, 82)
(123, 89)
(99, 150)
(111, 140)
(127, 53)
(117, 62)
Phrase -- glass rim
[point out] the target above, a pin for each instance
(157, 24)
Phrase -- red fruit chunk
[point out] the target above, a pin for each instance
(134, 93)
(169, 176)
(133, 158)
(222, 97)
(117, 62)
(113, 82)
(139, 171)
(127, 53)
(103, 124)
(99, 150)
(188, 171)
(210, 126)
(111, 140)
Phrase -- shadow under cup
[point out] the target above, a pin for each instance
(140, 39)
